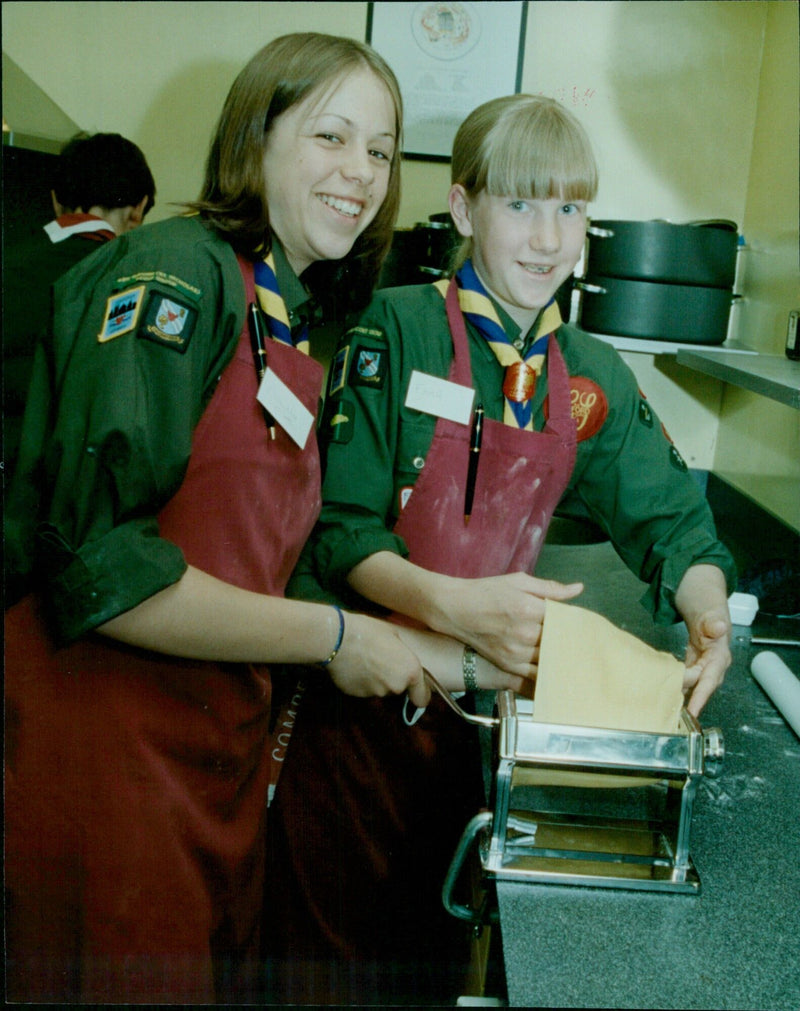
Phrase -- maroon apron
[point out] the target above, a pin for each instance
(383, 803)
(136, 783)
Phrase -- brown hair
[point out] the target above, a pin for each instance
(523, 146)
(232, 198)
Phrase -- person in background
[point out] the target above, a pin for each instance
(160, 511)
(102, 187)
(565, 426)
(103, 176)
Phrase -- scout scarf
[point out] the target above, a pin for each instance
(519, 384)
(273, 307)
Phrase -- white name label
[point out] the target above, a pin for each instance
(287, 410)
(440, 397)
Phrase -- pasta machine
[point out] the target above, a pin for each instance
(584, 806)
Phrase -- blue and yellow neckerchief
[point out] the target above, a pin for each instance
(519, 384)
(273, 306)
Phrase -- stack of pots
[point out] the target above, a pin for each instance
(442, 240)
(660, 281)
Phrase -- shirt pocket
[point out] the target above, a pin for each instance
(413, 442)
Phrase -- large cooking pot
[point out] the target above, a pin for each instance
(700, 252)
(683, 313)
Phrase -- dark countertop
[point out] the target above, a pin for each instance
(737, 944)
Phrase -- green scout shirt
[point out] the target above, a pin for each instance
(116, 395)
(628, 477)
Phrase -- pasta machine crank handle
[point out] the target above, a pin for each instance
(481, 721)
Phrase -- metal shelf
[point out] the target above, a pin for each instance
(773, 376)
(649, 346)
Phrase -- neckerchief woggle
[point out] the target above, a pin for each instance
(519, 384)
(272, 305)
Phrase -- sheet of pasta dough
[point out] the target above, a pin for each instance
(593, 674)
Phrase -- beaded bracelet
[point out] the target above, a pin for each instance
(338, 646)
(468, 669)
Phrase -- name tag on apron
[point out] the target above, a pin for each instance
(440, 397)
(290, 413)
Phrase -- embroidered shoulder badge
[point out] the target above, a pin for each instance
(369, 367)
(122, 313)
(675, 457)
(338, 370)
(168, 321)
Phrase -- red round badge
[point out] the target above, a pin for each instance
(589, 406)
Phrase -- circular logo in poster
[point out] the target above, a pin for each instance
(446, 31)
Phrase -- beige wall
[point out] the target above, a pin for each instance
(686, 103)
(668, 90)
(156, 72)
(758, 446)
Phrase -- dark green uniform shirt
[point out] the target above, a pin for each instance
(628, 477)
(141, 333)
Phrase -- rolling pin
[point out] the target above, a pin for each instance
(780, 684)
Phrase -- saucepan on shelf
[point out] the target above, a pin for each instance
(699, 253)
(683, 313)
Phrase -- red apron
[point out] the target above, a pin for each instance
(389, 802)
(136, 783)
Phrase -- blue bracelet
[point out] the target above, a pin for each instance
(337, 647)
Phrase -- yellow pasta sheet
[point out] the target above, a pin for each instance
(593, 674)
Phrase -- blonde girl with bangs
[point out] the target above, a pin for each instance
(564, 427)
(525, 145)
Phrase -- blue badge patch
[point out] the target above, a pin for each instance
(168, 321)
(122, 313)
(369, 367)
(339, 370)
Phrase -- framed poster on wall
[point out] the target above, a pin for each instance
(449, 58)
